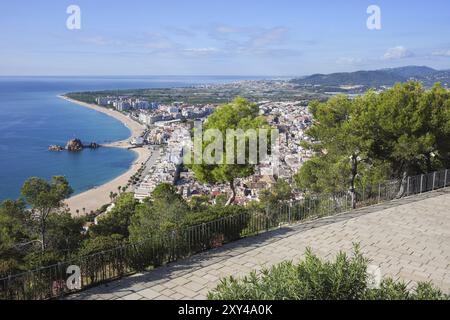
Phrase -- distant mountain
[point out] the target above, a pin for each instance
(412, 71)
(365, 78)
(374, 79)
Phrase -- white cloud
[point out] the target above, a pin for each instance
(228, 29)
(348, 60)
(226, 41)
(201, 51)
(398, 52)
(269, 37)
(101, 41)
(442, 53)
(248, 37)
(144, 42)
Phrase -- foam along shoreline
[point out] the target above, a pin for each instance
(93, 199)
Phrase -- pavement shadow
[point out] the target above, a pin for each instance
(183, 267)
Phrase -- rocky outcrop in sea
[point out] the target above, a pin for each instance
(74, 145)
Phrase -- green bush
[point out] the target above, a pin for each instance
(346, 278)
(391, 290)
(99, 253)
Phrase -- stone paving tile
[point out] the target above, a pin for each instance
(149, 294)
(122, 293)
(107, 296)
(163, 297)
(177, 296)
(409, 239)
(133, 296)
(194, 286)
(186, 292)
(197, 279)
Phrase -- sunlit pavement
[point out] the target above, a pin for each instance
(407, 239)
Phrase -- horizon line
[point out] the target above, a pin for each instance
(152, 75)
(215, 75)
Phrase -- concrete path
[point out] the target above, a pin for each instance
(408, 239)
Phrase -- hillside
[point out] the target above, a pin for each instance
(362, 80)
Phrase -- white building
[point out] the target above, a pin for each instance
(102, 101)
(137, 141)
(123, 106)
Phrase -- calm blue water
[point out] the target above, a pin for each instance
(32, 118)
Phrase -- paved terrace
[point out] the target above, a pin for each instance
(408, 238)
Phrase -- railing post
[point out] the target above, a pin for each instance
(348, 207)
(289, 208)
(434, 179)
(421, 183)
(408, 184)
(445, 178)
(379, 193)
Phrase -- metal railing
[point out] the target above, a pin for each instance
(51, 282)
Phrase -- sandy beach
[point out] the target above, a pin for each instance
(93, 199)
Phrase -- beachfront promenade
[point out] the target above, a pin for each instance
(408, 239)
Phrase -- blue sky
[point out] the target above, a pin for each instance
(218, 37)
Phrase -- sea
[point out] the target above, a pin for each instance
(32, 117)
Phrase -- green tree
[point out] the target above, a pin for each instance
(339, 140)
(38, 259)
(164, 211)
(279, 193)
(239, 114)
(410, 127)
(44, 198)
(118, 219)
(324, 174)
(64, 233)
(100, 243)
(15, 236)
(199, 203)
(165, 192)
(404, 130)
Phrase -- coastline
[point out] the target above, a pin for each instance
(93, 199)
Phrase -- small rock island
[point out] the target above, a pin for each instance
(74, 145)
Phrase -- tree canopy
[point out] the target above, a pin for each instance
(42, 233)
(162, 212)
(403, 130)
(239, 114)
(45, 197)
(116, 221)
(279, 193)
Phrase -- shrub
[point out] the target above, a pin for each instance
(391, 290)
(118, 220)
(99, 253)
(346, 278)
(8, 266)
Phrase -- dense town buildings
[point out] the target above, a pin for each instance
(170, 129)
